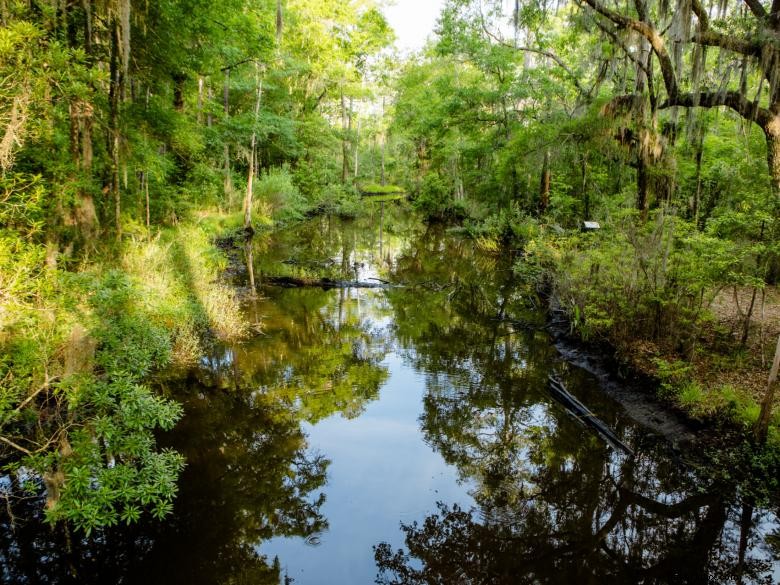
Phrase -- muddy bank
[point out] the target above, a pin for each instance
(635, 392)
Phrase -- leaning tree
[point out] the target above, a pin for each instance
(743, 75)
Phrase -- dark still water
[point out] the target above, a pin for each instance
(407, 435)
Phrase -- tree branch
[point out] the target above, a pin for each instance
(10, 443)
(650, 33)
(711, 38)
(31, 397)
(756, 8)
(731, 99)
(615, 39)
(701, 14)
(548, 54)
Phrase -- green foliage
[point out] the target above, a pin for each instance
(377, 189)
(278, 198)
(74, 397)
(435, 198)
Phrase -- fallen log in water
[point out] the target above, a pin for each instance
(585, 416)
(325, 283)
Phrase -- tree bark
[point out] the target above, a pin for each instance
(772, 134)
(544, 187)
(357, 150)
(762, 424)
(200, 100)
(251, 172)
(228, 185)
(178, 91)
(384, 140)
(697, 194)
(346, 120)
(585, 194)
(115, 92)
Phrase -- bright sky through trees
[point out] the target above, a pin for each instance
(413, 21)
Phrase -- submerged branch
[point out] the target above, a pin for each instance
(326, 283)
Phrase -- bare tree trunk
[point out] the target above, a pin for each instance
(748, 318)
(773, 160)
(642, 186)
(346, 121)
(228, 185)
(279, 22)
(544, 188)
(384, 140)
(200, 100)
(357, 149)
(585, 194)
(251, 171)
(146, 191)
(762, 424)
(209, 97)
(697, 194)
(115, 92)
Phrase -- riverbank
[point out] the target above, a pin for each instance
(80, 343)
(657, 304)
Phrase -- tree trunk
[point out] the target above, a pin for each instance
(115, 92)
(251, 171)
(772, 133)
(345, 121)
(697, 194)
(762, 424)
(200, 100)
(642, 186)
(585, 195)
(544, 187)
(357, 150)
(226, 111)
(384, 139)
(209, 97)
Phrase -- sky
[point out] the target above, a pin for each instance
(413, 21)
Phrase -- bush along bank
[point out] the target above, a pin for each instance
(684, 307)
(79, 346)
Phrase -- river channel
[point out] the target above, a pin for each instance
(407, 434)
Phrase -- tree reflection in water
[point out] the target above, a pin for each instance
(249, 477)
(553, 503)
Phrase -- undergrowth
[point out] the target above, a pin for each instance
(78, 348)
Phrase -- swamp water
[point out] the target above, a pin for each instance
(407, 434)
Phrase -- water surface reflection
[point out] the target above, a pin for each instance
(426, 404)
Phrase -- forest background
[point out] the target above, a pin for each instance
(133, 133)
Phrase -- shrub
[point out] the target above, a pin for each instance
(276, 195)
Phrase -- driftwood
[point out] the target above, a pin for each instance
(325, 283)
(585, 416)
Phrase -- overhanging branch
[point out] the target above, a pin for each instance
(648, 32)
(731, 99)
